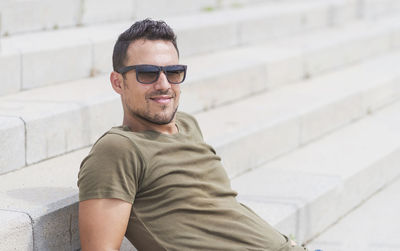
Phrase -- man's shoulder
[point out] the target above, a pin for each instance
(188, 123)
(185, 117)
(113, 139)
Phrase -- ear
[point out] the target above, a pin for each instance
(117, 82)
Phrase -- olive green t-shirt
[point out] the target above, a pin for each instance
(181, 194)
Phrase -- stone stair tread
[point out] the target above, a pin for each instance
(46, 39)
(44, 187)
(302, 97)
(51, 57)
(32, 16)
(316, 184)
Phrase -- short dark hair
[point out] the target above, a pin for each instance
(145, 29)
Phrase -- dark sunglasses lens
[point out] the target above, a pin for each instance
(175, 74)
(147, 74)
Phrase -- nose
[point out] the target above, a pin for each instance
(162, 82)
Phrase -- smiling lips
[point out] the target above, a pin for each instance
(162, 99)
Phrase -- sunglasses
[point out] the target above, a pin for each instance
(148, 74)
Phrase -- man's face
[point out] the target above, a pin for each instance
(157, 102)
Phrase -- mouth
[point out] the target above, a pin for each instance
(162, 99)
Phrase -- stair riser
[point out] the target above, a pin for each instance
(12, 144)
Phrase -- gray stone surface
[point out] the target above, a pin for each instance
(299, 113)
(57, 52)
(63, 118)
(12, 144)
(10, 73)
(15, 231)
(50, 57)
(47, 192)
(23, 16)
(374, 226)
(99, 11)
(312, 187)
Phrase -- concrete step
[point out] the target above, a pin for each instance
(309, 189)
(36, 15)
(50, 57)
(274, 123)
(299, 193)
(274, 64)
(374, 225)
(40, 119)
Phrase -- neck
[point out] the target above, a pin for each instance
(138, 125)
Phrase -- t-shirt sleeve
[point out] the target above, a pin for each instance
(111, 170)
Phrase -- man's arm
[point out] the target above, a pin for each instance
(103, 223)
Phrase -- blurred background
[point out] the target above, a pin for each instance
(298, 97)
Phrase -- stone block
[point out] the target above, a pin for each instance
(33, 15)
(102, 56)
(263, 28)
(396, 39)
(203, 92)
(383, 94)
(102, 114)
(10, 73)
(284, 68)
(323, 58)
(12, 144)
(375, 8)
(64, 117)
(330, 116)
(344, 12)
(380, 232)
(47, 192)
(48, 135)
(262, 143)
(318, 16)
(100, 11)
(15, 231)
(52, 65)
(368, 45)
(102, 39)
(205, 37)
(51, 128)
(282, 197)
(66, 236)
(160, 9)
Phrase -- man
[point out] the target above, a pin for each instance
(154, 179)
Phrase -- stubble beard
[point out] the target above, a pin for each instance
(159, 119)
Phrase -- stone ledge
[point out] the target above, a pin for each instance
(12, 143)
(15, 231)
